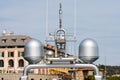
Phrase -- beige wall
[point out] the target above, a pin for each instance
(30, 77)
(6, 59)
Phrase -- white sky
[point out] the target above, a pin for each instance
(96, 19)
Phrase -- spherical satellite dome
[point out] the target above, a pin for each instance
(49, 53)
(33, 51)
(88, 51)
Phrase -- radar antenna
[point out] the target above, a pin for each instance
(60, 16)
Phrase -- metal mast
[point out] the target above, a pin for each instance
(60, 39)
(60, 16)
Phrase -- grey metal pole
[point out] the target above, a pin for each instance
(34, 66)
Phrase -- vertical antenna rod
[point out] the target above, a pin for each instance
(46, 18)
(75, 14)
(60, 16)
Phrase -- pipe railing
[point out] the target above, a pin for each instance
(34, 66)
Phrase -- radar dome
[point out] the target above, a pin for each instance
(50, 53)
(88, 51)
(33, 51)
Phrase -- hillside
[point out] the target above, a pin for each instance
(110, 70)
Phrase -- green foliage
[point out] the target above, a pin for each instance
(113, 78)
(90, 78)
(108, 78)
(110, 70)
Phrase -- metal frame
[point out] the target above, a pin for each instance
(34, 66)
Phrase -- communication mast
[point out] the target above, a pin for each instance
(60, 39)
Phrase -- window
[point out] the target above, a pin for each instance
(1, 54)
(10, 54)
(0, 71)
(11, 63)
(11, 47)
(23, 40)
(1, 63)
(21, 63)
(20, 46)
(10, 71)
(2, 46)
(4, 40)
(20, 54)
(14, 40)
(20, 71)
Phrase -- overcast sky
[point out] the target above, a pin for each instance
(96, 19)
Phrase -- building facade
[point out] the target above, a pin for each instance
(11, 52)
